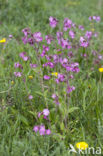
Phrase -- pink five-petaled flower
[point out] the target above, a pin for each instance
(88, 35)
(10, 36)
(17, 74)
(70, 89)
(46, 112)
(25, 58)
(83, 42)
(22, 55)
(53, 21)
(42, 130)
(25, 39)
(18, 65)
(54, 96)
(30, 97)
(65, 44)
(46, 77)
(67, 24)
(48, 132)
(37, 36)
(98, 19)
(60, 78)
(36, 129)
(45, 117)
(33, 65)
(81, 27)
(26, 31)
(71, 34)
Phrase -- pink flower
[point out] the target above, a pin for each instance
(59, 36)
(95, 34)
(53, 21)
(33, 65)
(71, 34)
(60, 78)
(39, 114)
(48, 131)
(10, 36)
(30, 41)
(26, 31)
(83, 42)
(36, 129)
(67, 24)
(17, 65)
(90, 18)
(100, 57)
(30, 97)
(17, 74)
(54, 96)
(37, 36)
(88, 35)
(71, 76)
(65, 44)
(46, 77)
(70, 89)
(46, 112)
(23, 56)
(42, 130)
(81, 27)
(25, 39)
(94, 17)
(45, 117)
(98, 19)
(45, 49)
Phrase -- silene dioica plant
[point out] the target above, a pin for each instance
(56, 60)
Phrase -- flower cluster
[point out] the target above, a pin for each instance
(56, 62)
(41, 129)
(95, 18)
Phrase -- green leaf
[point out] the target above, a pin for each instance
(72, 109)
(40, 93)
(23, 120)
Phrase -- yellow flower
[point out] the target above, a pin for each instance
(12, 82)
(30, 77)
(3, 40)
(54, 74)
(82, 145)
(100, 69)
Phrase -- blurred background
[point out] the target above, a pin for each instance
(17, 14)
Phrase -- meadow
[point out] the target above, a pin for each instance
(51, 77)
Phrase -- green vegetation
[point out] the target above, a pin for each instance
(18, 115)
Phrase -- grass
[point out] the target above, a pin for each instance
(17, 114)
